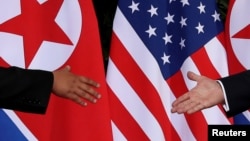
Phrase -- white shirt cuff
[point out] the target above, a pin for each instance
(225, 106)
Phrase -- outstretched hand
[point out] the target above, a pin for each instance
(74, 87)
(205, 94)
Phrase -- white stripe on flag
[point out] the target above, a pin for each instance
(247, 115)
(117, 135)
(217, 55)
(25, 131)
(134, 105)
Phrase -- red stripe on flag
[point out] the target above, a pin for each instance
(221, 38)
(124, 121)
(204, 64)
(3, 63)
(233, 63)
(142, 86)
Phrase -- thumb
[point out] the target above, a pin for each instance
(193, 76)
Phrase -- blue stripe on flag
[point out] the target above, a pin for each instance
(241, 119)
(8, 130)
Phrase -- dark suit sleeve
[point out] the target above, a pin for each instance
(237, 88)
(25, 90)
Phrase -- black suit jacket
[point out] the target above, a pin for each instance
(237, 88)
(25, 90)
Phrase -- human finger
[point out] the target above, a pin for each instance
(85, 95)
(88, 81)
(77, 99)
(180, 100)
(177, 104)
(184, 106)
(197, 107)
(193, 76)
(89, 90)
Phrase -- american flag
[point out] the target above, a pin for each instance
(154, 44)
(237, 35)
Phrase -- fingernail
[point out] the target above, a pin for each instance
(99, 96)
(83, 103)
(98, 85)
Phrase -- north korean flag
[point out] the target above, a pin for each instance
(47, 35)
(238, 44)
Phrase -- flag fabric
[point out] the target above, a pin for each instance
(237, 36)
(154, 44)
(49, 35)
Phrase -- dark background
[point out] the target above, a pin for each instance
(105, 10)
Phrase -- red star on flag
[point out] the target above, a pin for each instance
(34, 29)
(244, 33)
